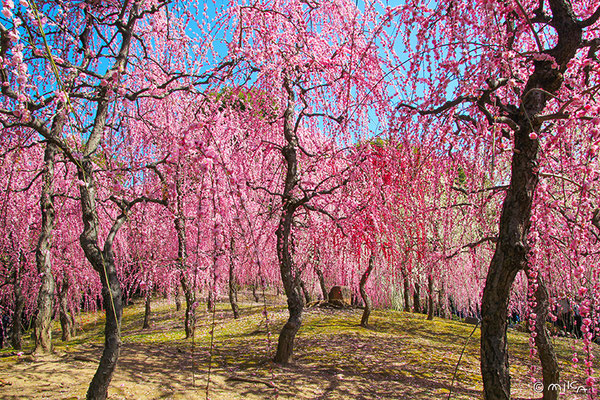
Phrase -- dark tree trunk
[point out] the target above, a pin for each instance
(406, 291)
(430, 297)
(319, 273)
(16, 333)
(305, 292)
(364, 321)
(210, 300)
(67, 321)
(147, 310)
(190, 307)
(254, 294)
(510, 255)
(543, 342)
(103, 262)
(289, 276)
(233, 284)
(417, 297)
(45, 300)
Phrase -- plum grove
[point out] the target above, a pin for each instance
(430, 155)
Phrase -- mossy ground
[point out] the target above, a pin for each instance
(399, 356)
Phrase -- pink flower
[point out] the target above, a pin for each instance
(590, 381)
(533, 136)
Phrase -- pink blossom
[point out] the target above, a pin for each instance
(590, 381)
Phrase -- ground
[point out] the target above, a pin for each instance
(399, 356)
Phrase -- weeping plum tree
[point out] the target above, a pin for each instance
(318, 64)
(90, 96)
(532, 76)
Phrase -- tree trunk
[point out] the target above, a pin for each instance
(16, 336)
(147, 310)
(443, 301)
(406, 292)
(45, 300)
(210, 300)
(177, 298)
(103, 262)
(430, 297)
(543, 342)
(112, 301)
(417, 297)
(233, 285)
(364, 321)
(322, 282)
(305, 292)
(256, 298)
(190, 307)
(511, 251)
(67, 322)
(289, 277)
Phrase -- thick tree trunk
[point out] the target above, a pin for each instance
(67, 321)
(417, 297)
(16, 333)
(324, 291)
(147, 310)
(364, 321)
(289, 277)
(406, 292)
(112, 301)
(430, 297)
(45, 300)
(511, 248)
(103, 262)
(543, 342)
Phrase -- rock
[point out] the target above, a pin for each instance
(340, 293)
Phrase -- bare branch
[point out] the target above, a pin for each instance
(492, 239)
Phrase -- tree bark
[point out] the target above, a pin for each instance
(45, 300)
(543, 343)
(511, 251)
(430, 297)
(364, 321)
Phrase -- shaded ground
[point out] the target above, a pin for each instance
(400, 356)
